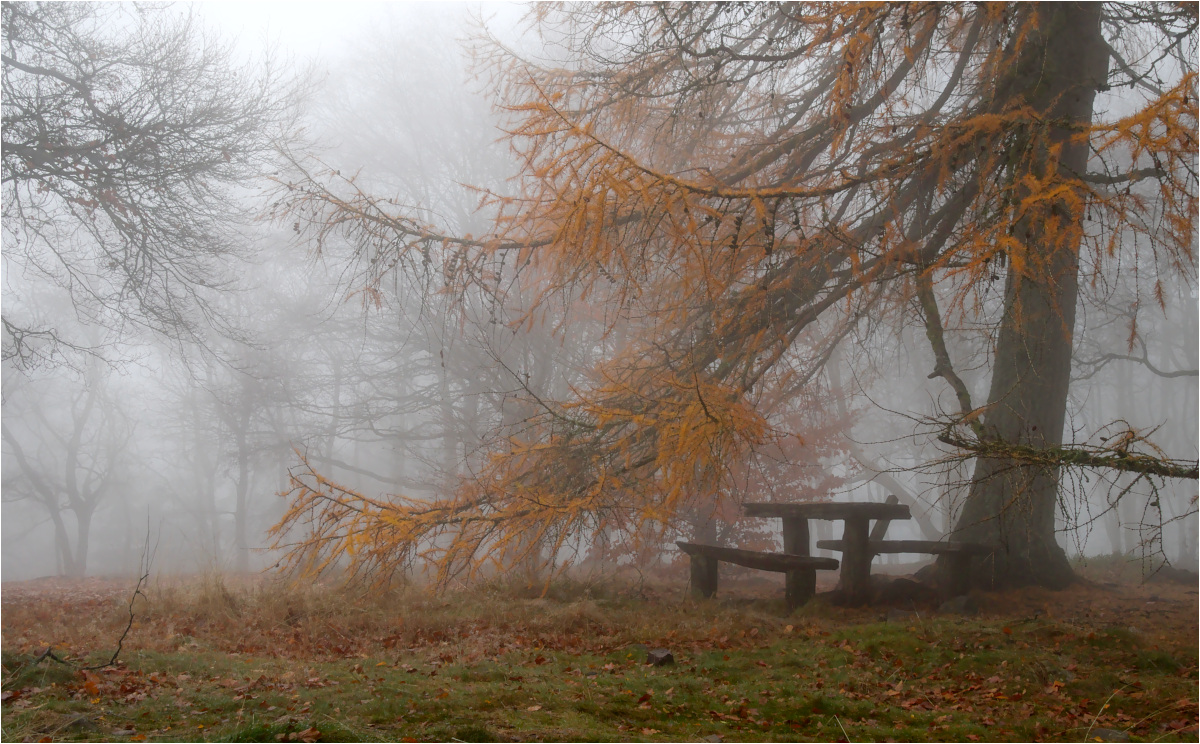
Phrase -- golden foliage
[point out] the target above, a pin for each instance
(739, 184)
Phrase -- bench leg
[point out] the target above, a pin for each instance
(856, 562)
(704, 576)
(802, 584)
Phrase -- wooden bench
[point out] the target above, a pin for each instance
(958, 556)
(800, 569)
(855, 583)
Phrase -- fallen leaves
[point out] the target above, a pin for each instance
(933, 679)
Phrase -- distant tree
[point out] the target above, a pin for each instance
(68, 458)
(129, 135)
(737, 185)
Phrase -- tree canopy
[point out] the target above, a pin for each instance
(727, 190)
(128, 134)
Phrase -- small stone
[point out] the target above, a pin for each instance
(714, 738)
(660, 657)
(1104, 734)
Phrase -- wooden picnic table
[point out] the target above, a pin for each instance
(856, 547)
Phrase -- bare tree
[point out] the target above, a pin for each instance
(128, 133)
(69, 459)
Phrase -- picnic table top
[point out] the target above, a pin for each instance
(830, 510)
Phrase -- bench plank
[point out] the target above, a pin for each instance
(778, 562)
(826, 510)
(933, 547)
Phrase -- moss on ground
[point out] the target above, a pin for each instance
(514, 669)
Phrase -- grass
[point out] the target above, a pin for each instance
(216, 660)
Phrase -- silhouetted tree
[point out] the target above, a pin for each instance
(129, 134)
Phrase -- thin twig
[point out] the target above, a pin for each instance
(1102, 707)
(137, 592)
(843, 728)
(47, 654)
(145, 563)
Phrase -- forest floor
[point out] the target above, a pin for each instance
(1113, 658)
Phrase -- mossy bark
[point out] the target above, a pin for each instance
(1062, 63)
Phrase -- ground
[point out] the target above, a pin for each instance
(251, 659)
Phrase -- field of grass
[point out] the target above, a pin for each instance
(228, 659)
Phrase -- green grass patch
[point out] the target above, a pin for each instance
(951, 680)
(571, 670)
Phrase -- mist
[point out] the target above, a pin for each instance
(279, 309)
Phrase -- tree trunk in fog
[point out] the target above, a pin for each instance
(449, 438)
(83, 532)
(62, 544)
(204, 476)
(335, 413)
(704, 524)
(240, 544)
(1116, 524)
(879, 475)
(399, 462)
(1008, 505)
(79, 505)
(1112, 529)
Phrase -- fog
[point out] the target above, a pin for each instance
(162, 402)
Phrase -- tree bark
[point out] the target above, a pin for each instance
(83, 532)
(250, 402)
(1063, 62)
(62, 545)
(241, 505)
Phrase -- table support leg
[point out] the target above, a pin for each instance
(801, 583)
(856, 561)
(704, 576)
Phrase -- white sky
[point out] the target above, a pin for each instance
(320, 30)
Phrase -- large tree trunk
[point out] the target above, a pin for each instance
(1063, 63)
